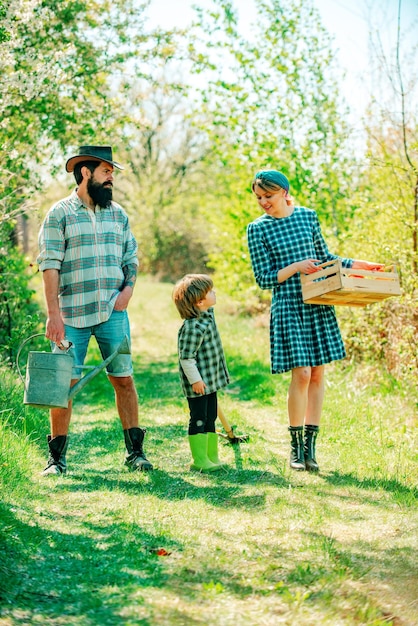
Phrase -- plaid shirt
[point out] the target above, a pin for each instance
(199, 339)
(300, 334)
(95, 252)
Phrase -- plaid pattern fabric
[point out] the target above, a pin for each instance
(300, 334)
(92, 252)
(199, 339)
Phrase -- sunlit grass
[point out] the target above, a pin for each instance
(257, 544)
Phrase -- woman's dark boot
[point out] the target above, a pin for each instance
(297, 456)
(57, 463)
(135, 456)
(311, 433)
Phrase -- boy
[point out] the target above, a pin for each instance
(202, 366)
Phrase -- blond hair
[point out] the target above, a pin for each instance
(190, 290)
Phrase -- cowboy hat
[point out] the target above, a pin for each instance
(92, 153)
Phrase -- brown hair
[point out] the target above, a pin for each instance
(91, 165)
(272, 187)
(188, 291)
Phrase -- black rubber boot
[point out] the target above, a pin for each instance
(135, 457)
(57, 463)
(297, 456)
(311, 432)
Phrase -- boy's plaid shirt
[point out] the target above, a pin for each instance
(94, 252)
(199, 339)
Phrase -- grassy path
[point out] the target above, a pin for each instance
(257, 545)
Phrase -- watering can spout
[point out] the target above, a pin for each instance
(123, 348)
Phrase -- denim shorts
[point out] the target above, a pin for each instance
(108, 335)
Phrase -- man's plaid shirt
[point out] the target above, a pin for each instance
(95, 253)
(199, 339)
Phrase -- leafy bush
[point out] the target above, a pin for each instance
(19, 428)
(19, 314)
(386, 334)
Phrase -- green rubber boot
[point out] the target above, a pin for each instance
(199, 446)
(213, 449)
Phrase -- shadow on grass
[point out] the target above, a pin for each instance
(158, 382)
(101, 440)
(252, 379)
(356, 559)
(392, 486)
(104, 575)
(58, 574)
(225, 489)
(11, 551)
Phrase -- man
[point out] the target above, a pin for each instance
(88, 259)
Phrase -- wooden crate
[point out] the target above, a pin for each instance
(335, 284)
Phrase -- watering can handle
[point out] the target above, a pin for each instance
(20, 350)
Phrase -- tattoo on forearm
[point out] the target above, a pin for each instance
(130, 272)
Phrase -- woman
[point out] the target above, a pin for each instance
(283, 243)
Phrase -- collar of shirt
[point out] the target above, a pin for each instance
(79, 204)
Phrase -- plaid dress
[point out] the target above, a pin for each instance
(199, 339)
(300, 334)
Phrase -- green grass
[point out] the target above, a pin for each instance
(258, 544)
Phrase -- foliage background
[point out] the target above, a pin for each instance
(192, 114)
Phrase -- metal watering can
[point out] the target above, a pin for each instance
(48, 375)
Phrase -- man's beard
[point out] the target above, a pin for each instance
(100, 194)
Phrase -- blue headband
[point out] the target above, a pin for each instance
(273, 176)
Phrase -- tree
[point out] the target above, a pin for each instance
(385, 224)
(61, 66)
(58, 82)
(163, 178)
(272, 101)
(393, 134)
